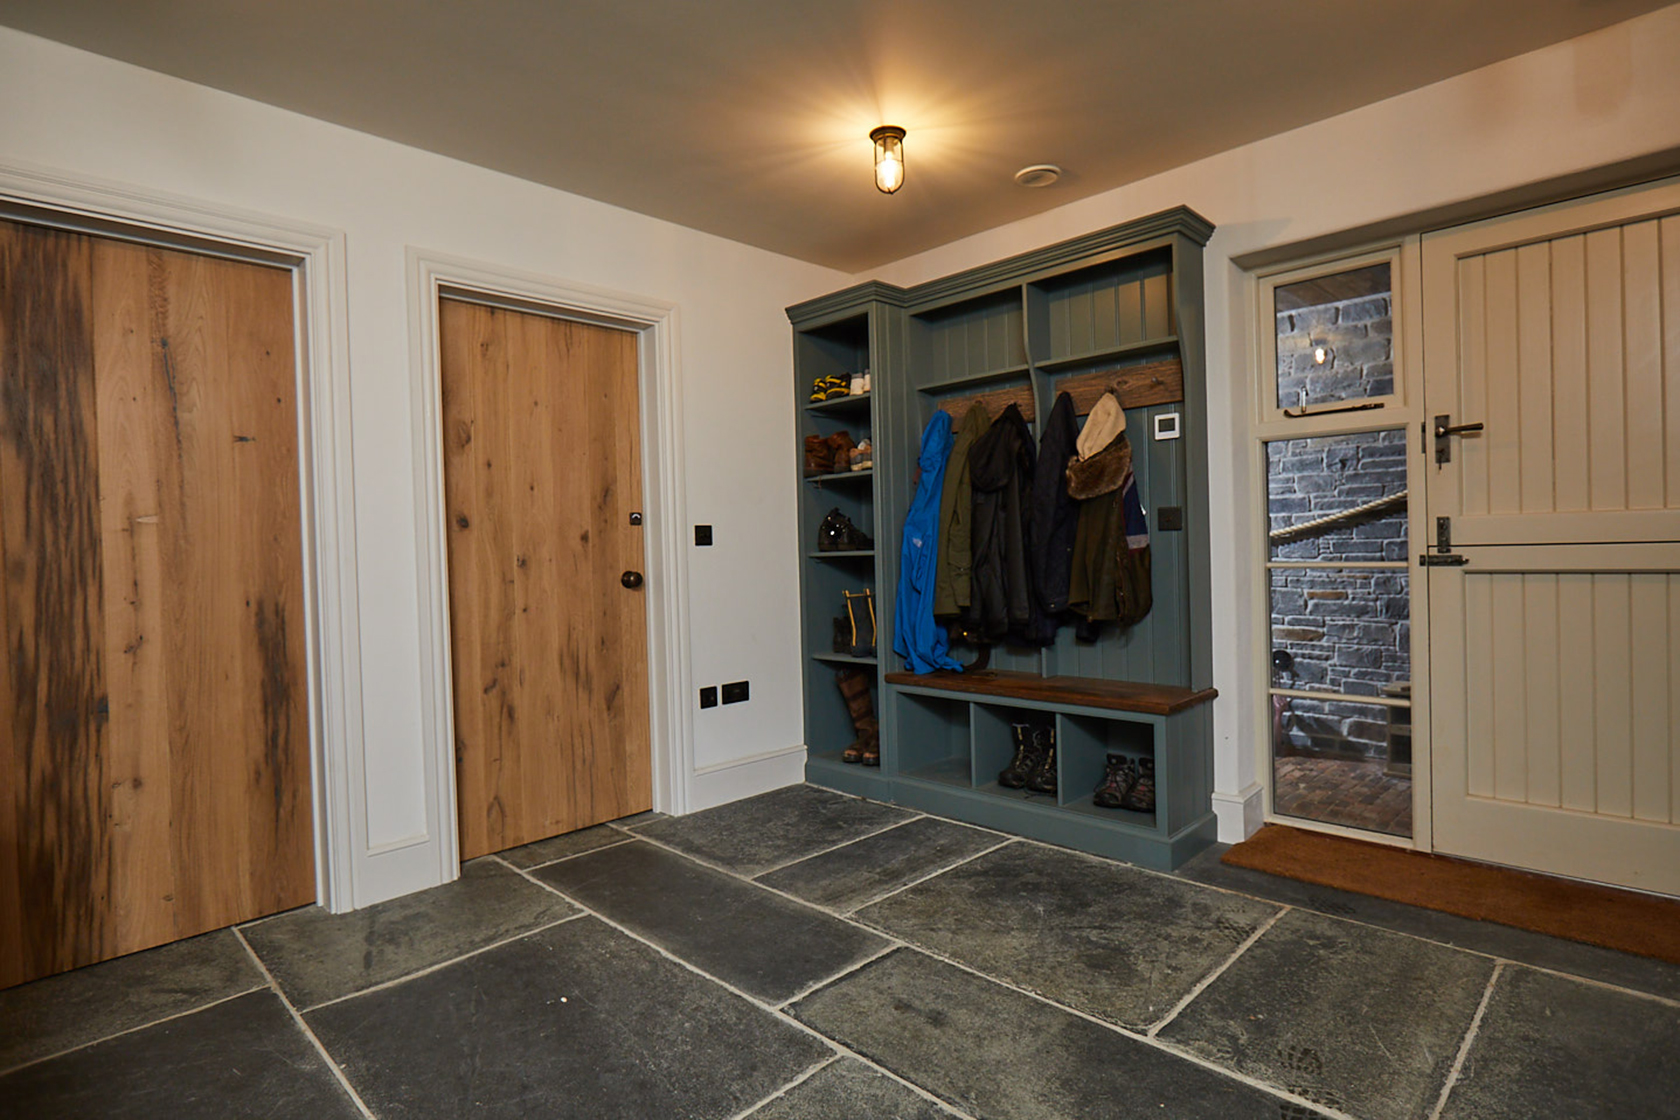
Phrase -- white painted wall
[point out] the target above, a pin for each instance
(79, 113)
(1600, 99)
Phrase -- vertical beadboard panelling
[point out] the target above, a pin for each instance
(1534, 377)
(1642, 334)
(1606, 397)
(1510, 708)
(1576, 665)
(1612, 721)
(1669, 266)
(1157, 305)
(1540, 685)
(1129, 309)
(1478, 684)
(1472, 364)
(1674, 699)
(1499, 446)
(1650, 648)
(1569, 365)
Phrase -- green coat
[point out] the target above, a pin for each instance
(953, 578)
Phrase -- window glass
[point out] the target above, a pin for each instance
(1343, 630)
(1343, 763)
(1335, 338)
(1337, 497)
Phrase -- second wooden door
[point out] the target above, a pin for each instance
(542, 472)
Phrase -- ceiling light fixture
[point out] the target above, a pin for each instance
(889, 157)
(1038, 175)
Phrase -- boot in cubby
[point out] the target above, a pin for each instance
(1043, 779)
(866, 749)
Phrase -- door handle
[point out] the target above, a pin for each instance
(1444, 427)
(631, 580)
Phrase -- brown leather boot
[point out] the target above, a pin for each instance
(841, 445)
(819, 456)
(854, 686)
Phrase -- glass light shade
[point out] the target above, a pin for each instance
(889, 158)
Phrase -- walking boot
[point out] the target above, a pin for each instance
(1141, 797)
(1118, 779)
(866, 748)
(819, 456)
(1043, 778)
(1026, 760)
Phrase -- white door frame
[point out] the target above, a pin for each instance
(432, 275)
(332, 638)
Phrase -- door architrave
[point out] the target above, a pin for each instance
(433, 276)
(332, 640)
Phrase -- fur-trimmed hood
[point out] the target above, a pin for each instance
(1103, 473)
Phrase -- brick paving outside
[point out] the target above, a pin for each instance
(1355, 794)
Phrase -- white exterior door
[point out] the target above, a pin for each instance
(1555, 647)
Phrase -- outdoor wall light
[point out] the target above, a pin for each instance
(889, 157)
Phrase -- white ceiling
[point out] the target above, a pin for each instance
(749, 118)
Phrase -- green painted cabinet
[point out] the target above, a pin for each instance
(1120, 307)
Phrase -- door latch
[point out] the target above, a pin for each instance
(1444, 427)
(1443, 556)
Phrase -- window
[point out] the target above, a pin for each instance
(1334, 442)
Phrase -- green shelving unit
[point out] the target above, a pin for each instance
(1120, 306)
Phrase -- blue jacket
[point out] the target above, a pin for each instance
(916, 636)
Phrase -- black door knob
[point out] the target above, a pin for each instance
(631, 579)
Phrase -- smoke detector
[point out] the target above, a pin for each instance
(1038, 175)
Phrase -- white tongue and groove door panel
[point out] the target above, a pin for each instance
(1555, 645)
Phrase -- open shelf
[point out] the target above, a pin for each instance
(841, 405)
(977, 380)
(843, 554)
(845, 659)
(1110, 353)
(841, 476)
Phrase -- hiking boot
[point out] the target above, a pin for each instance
(1043, 779)
(1118, 780)
(1027, 757)
(837, 533)
(1141, 797)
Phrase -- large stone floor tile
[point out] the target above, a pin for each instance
(1001, 1055)
(744, 935)
(244, 1058)
(1359, 1019)
(850, 1090)
(1107, 939)
(1642, 974)
(316, 956)
(756, 834)
(576, 1021)
(866, 869)
(1551, 1046)
(563, 846)
(75, 1008)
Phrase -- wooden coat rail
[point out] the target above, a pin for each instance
(1139, 386)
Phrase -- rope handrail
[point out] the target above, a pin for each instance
(1307, 528)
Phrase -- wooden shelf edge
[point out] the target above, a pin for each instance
(845, 659)
(843, 554)
(1089, 692)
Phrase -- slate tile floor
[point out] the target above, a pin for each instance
(809, 956)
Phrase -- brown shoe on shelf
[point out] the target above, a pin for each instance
(840, 446)
(819, 456)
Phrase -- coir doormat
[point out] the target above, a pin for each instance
(1614, 919)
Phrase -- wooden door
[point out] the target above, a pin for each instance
(542, 471)
(1555, 648)
(154, 728)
